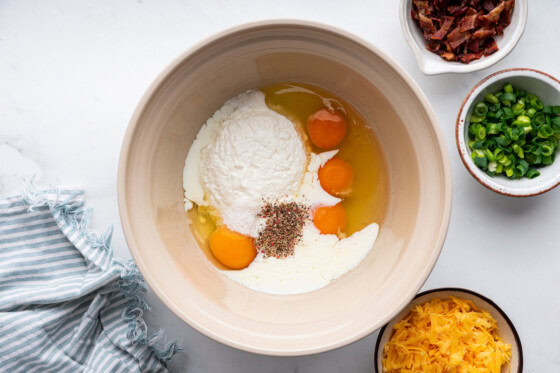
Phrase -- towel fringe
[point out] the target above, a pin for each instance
(71, 207)
(132, 286)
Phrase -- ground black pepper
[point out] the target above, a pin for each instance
(283, 228)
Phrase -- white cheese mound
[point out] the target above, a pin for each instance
(318, 259)
(245, 153)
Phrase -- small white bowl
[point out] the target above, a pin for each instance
(506, 330)
(432, 64)
(543, 85)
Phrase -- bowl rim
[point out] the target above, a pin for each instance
(445, 67)
(124, 160)
(470, 292)
(459, 132)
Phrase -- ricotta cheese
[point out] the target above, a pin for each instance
(245, 153)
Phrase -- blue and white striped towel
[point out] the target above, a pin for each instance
(66, 304)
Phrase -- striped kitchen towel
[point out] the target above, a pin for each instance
(66, 304)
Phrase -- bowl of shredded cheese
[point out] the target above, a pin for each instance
(449, 330)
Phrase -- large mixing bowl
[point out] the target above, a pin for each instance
(150, 190)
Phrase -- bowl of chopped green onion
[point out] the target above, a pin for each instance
(508, 132)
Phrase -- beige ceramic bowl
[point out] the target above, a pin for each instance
(151, 195)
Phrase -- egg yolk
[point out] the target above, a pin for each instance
(232, 249)
(326, 129)
(331, 219)
(336, 177)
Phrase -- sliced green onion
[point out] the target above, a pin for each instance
(547, 150)
(508, 113)
(476, 119)
(540, 119)
(505, 161)
(518, 107)
(499, 168)
(489, 155)
(544, 132)
(502, 140)
(498, 153)
(481, 162)
(512, 133)
(532, 173)
(491, 99)
(492, 128)
(517, 150)
(522, 167)
(531, 113)
(479, 144)
(508, 98)
(481, 109)
(522, 121)
(481, 133)
(537, 104)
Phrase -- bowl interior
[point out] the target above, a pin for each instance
(548, 89)
(506, 330)
(151, 195)
(431, 63)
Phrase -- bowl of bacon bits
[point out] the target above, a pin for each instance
(461, 36)
(449, 330)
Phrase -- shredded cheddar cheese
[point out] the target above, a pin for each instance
(446, 336)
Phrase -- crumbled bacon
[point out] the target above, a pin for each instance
(488, 5)
(457, 37)
(505, 17)
(448, 56)
(499, 31)
(462, 30)
(440, 4)
(426, 23)
(457, 10)
(433, 46)
(444, 29)
(467, 22)
(491, 47)
(422, 6)
(494, 15)
(483, 33)
(474, 46)
(468, 57)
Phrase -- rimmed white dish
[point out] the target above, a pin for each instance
(506, 329)
(432, 64)
(543, 85)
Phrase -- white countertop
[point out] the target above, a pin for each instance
(71, 73)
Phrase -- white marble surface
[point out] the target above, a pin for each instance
(71, 73)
